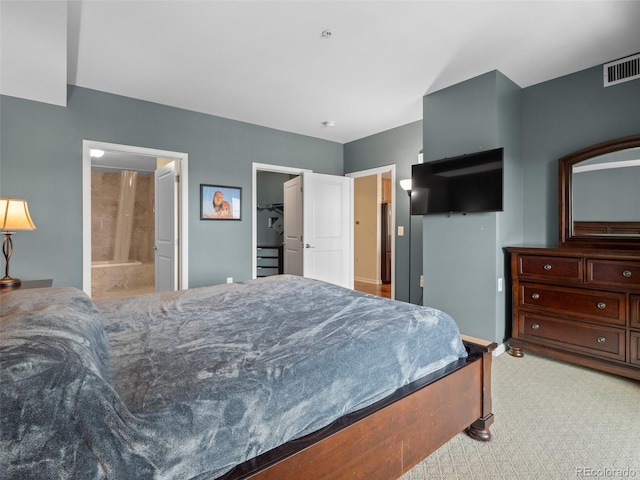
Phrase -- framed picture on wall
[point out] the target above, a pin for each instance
(219, 202)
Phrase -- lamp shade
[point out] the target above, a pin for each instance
(14, 215)
(405, 184)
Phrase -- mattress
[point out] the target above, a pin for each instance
(189, 384)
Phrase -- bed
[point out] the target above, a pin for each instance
(281, 377)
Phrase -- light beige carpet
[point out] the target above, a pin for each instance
(553, 420)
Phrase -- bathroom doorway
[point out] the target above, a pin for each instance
(122, 205)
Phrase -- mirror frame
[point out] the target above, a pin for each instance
(566, 163)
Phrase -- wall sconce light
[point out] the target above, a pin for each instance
(14, 215)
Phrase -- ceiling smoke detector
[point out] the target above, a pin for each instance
(327, 34)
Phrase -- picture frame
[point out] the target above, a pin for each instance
(220, 202)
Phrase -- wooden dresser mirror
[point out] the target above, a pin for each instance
(599, 196)
(581, 302)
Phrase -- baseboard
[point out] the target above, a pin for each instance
(368, 280)
(502, 347)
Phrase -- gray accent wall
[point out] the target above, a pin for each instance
(463, 254)
(543, 123)
(399, 146)
(559, 117)
(41, 161)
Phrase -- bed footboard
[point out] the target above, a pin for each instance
(393, 436)
(479, 430)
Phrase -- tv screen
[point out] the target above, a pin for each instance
(464, 184)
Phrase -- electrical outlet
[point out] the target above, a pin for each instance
(229, 279)
(421, 281)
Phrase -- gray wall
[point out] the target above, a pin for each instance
(463, 254)
(399, 146)
(41, 160)
(559, 117)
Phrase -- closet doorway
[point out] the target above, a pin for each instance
(268, 216)
(134, 220)
(387, 172)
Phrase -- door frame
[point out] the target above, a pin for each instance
(381, 170)
(255, 168)
(182, 159)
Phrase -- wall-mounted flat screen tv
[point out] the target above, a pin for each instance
(464, 184)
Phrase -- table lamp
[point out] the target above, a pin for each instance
(14, 215)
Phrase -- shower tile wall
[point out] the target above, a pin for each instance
(105, 192)
(144, 221)
(105, 189)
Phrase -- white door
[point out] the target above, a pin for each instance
(293, 226)
(327, 227)
(166, 244)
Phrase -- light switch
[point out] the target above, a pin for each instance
(401, 230)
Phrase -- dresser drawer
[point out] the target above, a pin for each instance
(612, 272)
(568, 269)
(634, 311)
(634, 348)
(606, 307)
(601, 341)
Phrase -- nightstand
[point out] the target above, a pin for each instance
(29, 284)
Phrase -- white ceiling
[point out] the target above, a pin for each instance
(267, 63)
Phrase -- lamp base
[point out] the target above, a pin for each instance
(10, 282)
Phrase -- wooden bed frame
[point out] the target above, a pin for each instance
(389, 438)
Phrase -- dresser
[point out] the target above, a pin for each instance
(578, 305)
(269, 260)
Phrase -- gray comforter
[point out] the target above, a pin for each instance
(188, 384)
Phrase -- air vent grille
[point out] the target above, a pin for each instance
(622, 70)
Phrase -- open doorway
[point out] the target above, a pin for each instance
(268, 216)
(270, 223)
(262, 214)
(374, 239)
(123, 240)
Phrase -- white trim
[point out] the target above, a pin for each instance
(183, 247)
(371, 281)
(255, 168)
(380, 170)
(500, 349)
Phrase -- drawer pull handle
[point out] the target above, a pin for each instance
(602, 305)
(601, 339)
(626, 273)
(535, 326)
(535, 296)
(546, 266)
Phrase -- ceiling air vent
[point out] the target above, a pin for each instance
(622, 70)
